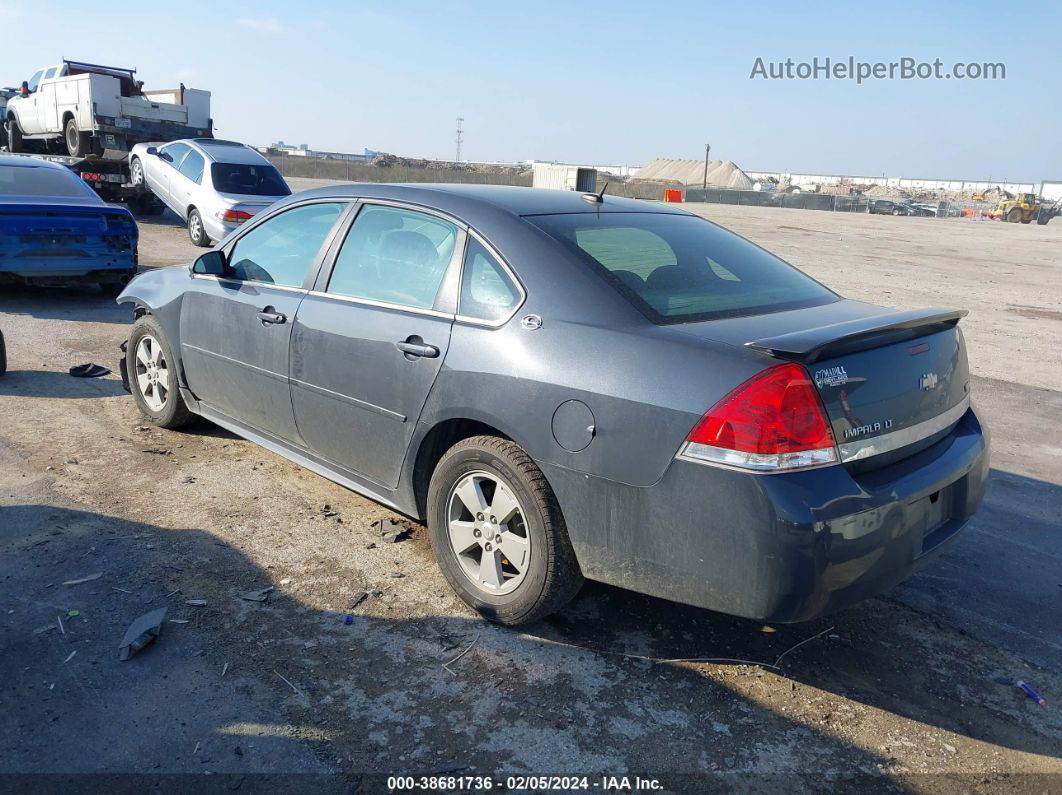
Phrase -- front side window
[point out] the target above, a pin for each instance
(281, 250)
(393, 255)
(173, 153)
(192, 166)
(487, 291)
(681, 268)
(35, 81)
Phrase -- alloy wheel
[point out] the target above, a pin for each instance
(488, 533)
(152, 373)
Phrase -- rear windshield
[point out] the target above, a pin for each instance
(680, 268)
(248, 180)
(35, 181)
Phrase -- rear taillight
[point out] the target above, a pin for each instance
(235, 216)
(771, 423)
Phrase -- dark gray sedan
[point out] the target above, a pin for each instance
(568, 386)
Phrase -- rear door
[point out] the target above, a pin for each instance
(235, 330)
(369, 341)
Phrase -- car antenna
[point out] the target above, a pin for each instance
(596, 198)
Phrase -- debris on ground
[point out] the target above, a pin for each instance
(89, 370)
(289, 684)
(286, 581)
(195, 602)
(328, 513)
(87, 578)
(141, 632)
(348, 620)
(157, 451)
(258, 596)
(357, 599)
(391, 531)
(70, 657)
(73, 613)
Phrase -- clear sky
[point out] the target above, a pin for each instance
(600, 82)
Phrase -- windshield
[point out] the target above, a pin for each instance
(248, 180)
(37, 181)
(681, 268)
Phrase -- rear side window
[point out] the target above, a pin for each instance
(487, 291)
(281, 250)
(49, 74)
(681, 268)
(192, 166)
(395, 256)
(38, 181)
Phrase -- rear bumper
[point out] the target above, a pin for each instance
(18, 269)
(780, 548)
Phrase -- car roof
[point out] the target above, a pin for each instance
(221, 151)
(21, 161)
(461, 199)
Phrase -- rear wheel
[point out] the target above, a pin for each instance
(196, 232)
(152, 373)
(498, 533)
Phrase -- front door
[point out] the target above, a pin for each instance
(235, 330)
(365, 349)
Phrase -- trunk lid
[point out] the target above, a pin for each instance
(39, 231)
(892, 382)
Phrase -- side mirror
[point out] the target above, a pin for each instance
(152, 150)
(210, 264)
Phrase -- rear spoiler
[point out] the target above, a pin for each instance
(810, 344)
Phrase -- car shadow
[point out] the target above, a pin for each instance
(76, 303)
(56, 384)
(292, 685)
(282, 687)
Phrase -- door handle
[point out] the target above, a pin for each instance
(414, 347)
(269, 316)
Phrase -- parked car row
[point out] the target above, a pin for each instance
(566, 386)
(889, 207)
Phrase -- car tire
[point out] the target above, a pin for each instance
(3, 354)
(14, 137)
(497, 471)
(136, 172)
(78, 144)
(196, 233)
(148, 344)
(897, 212)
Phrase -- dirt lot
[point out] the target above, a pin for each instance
(900, 691)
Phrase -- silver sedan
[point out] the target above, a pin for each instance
(213, 185)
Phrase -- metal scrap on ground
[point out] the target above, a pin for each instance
(141, 632)
(258, 596)
(87, 578)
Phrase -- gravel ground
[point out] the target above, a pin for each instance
(899, 691)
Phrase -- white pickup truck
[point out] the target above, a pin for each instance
(91, 108)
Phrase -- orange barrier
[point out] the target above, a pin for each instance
(673, 195)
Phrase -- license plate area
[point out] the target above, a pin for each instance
(931, 517)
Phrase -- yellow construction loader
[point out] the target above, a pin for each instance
(1024, 207)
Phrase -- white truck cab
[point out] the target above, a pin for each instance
(91, 108)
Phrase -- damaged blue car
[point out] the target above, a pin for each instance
(54, 229)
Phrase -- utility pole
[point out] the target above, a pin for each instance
(460, 131)
(707, 148)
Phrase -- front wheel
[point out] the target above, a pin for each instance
(152, 371)
(498, 534)
(136, 172)
(14, 136)
(1014, 215)
(196, 233)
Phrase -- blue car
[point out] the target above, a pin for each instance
(54, 229)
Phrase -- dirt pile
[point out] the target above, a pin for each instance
(721, 173)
